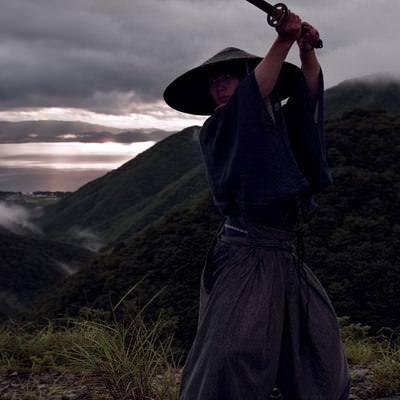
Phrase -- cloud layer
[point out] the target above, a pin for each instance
(116, 57)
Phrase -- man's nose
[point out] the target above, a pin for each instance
(220, 84)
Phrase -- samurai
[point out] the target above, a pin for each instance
(265, 321)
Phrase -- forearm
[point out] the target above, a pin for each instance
(267, 71)
(311, 71)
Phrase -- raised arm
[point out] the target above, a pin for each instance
(309, 62)
(267, 71)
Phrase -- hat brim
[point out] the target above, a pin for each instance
(189, 92)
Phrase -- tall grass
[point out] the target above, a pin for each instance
(386, 369)
(131, 359)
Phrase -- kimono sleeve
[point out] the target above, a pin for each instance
(305, 124)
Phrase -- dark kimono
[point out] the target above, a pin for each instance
(258, 163)
(263, 168)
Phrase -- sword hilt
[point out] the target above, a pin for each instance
(277, 15)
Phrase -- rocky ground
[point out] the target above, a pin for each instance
(68, 386)
(362, 388)
(50, 386)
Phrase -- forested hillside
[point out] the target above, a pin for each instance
(352, 242)
(356, 249)
(30, 268)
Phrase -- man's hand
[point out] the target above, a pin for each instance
(309, 62)
(290, 30)
(309, 36)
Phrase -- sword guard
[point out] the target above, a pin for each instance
(278, 15)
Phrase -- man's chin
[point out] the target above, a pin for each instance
(223, 100)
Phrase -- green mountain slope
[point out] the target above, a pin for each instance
(126, 224)
(352, 242)
(30, 267)
(98, 204)
(377, 92)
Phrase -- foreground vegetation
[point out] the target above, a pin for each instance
(136, 360)
(119, 360)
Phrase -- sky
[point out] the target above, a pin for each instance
(108, 61)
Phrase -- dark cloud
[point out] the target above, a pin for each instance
(113, 56)
(106, 56)
(85, 54)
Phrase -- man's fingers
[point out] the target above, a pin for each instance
(309, 30)
(291, 28)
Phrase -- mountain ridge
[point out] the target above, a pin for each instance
(135, 182)
(372, 92)
(73, 131)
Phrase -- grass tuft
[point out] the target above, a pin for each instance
(133, 360)
(386, 370)
(380, 354)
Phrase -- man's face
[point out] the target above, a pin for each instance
(221, 86)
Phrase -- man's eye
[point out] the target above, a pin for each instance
(220, 78)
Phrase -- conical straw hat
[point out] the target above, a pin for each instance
(189, 92)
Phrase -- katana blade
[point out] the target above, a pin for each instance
(262, 5)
